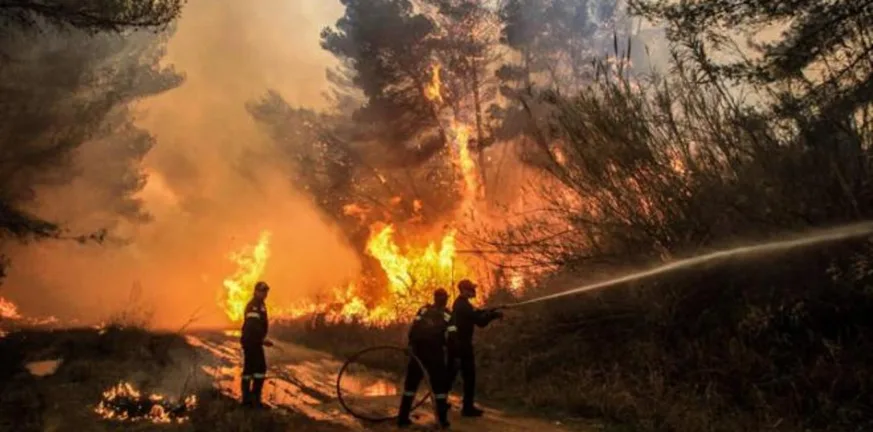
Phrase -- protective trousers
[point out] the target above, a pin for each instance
(462, 359)
(434, 363)
(254, 373)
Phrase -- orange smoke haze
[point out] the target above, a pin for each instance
(206, 197)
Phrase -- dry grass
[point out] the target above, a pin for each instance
(781, 343)
(94, 361)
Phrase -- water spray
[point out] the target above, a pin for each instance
(813, 238)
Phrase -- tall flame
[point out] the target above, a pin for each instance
(460, 137)
(251, 263)
(433, 89)
(412, 273)
(464, 160)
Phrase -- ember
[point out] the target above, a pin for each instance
(124, 403)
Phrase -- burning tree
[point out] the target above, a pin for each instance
(394, 168)
(404, 170)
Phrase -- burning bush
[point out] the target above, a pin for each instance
(124, 403)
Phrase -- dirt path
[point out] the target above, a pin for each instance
(303, 381)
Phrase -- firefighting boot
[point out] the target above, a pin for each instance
(443, 413)
(246, 391)
(405, 408)
(257, 390)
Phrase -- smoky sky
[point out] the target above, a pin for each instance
(204, 200)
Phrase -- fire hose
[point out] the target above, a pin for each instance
(354, 358)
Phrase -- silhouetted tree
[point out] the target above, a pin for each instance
(61, 91)
(554, 45)
(388, 48)
(92, 16)
(468, 33)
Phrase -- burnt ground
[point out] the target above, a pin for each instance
(300, 386)
(94, 360)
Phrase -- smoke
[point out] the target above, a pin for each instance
(204, 199)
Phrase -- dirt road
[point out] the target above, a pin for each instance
(303, 381)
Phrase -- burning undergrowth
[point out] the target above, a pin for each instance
(123, 402)
(406, 277)
(101, 384)
(404, 254)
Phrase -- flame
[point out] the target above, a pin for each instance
(516, 282)
(464, 160)
(251, 262)
(356, 211)
(8, 310)
(460, 137)
(412, 273)
(433, 89)
(125, 403)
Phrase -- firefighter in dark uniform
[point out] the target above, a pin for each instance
(427, 340)
(253, 340)
(465, 318)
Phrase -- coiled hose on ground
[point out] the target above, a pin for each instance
(354, 358)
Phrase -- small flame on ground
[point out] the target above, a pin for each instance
(251, 262)
(123, 402)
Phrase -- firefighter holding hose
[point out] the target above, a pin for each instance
(253, 340)
(427, 341)
(465, 318)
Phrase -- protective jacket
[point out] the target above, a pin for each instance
(464, 318)
(430, 327)
(255, 326)
(427, 340)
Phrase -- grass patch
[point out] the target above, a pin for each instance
(94, 360)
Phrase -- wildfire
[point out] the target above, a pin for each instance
(433, 90)
(8, 310)
(516, 282)
(251, 262)
(412, 273)
(124, 403)
(460, 137)
(464, 160)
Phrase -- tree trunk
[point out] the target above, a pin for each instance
(480, 132)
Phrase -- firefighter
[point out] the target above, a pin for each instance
(253, 340)
(461, 356)
(427, 341)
